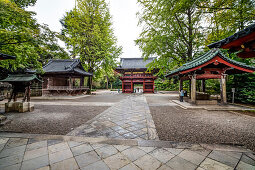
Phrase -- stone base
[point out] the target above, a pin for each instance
(19, 107)
(206, 102)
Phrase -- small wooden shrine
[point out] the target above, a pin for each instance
(20, 84)
(242, 42)
(64, 77)
(134, 71)
(211, 65)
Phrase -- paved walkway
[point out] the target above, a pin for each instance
(129, 119)
(44, 152)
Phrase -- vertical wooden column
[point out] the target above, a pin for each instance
(193, 89)
(122, 86)
(143, 85)
(132, 86)
(223, 89)
(190, 89)
(181, 85)
(203, 85)
(70, 82)
(82, 81)
(153, 87)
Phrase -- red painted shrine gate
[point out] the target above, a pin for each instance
(134, 71)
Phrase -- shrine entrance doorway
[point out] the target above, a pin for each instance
(138, 87)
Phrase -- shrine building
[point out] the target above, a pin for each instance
(211, 65)
(242, 42)
(134, 71)
(64, 77)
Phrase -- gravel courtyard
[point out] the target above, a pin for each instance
(200, 126)
(51, 119)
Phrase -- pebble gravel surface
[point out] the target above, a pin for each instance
(51, 119)
(200, 126)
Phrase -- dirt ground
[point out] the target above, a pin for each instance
(200, 126)
(57, 120)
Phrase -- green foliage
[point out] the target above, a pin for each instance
(23, 37)
(24, 3)
(166, 85)
(244, 85)
(228, 16)
(171, 30)
(88, 34)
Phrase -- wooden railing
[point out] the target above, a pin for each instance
(67, 88)
(138, 76)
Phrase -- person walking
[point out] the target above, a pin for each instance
(181, 95)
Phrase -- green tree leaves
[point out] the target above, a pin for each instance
(21, 36)
(171, 30)
(88, 34)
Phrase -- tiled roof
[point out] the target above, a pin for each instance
(5, 56)
(65, 66)
(234, 37)
(134, 63)
(207, 57)
(20, 78)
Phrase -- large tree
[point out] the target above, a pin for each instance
(88, 34)
(23, 37)
(227, 17)
(171, 31)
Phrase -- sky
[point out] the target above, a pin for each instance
(123, 18)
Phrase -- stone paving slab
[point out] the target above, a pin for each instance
(74, 103)
(128, 119)
(229, 107)
(77, 153)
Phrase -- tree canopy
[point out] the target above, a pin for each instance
(176, 31)
(22, 36)
(88, 34)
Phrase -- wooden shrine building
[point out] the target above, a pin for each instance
(242, 42)
(134, 71)
(211, 65)
(20, 84)
(64, 77)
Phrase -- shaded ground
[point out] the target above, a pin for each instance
(201, 126)
(51, 119)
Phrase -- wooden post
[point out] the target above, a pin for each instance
(70, 82)
(203, 85)
(190, 89)
(181, 85)
(223, 89)
(28, 93)
(153, 87)
(193, 89)
(122, 86)
(143, 86)
(81, 81)
(132, 86)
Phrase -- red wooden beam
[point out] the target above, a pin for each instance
(239, 41)
(216, 60)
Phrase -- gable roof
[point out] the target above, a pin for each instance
(134, 63)
(65, 66)
(250, 29)
(20, 78)
(199, 61)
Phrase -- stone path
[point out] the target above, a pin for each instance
(45, 152)
(129, 119)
